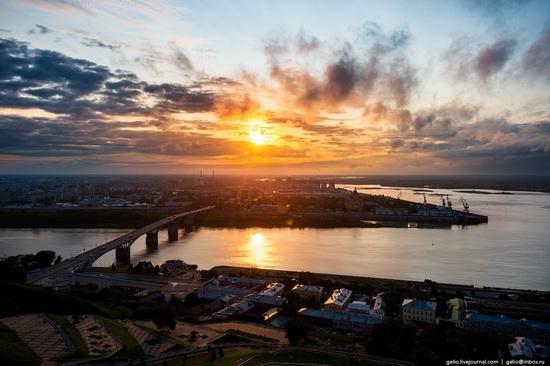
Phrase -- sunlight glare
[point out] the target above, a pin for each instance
(259, 136)
(258, 247)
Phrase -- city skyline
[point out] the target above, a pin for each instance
(363, 87)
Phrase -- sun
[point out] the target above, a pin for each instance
(259, 136)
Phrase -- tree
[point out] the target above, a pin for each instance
(44, 258)
(393, 300)
(191, 299)
(296, 331)
(165, 318)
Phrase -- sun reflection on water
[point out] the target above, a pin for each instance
(259, 250)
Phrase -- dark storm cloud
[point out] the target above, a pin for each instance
(176, 97)
(375, 65)
(491, 59)
(40, 29)
(341, 76)
(58, 84)
(90, 42)
(76, 77)
(537, 58)
(41, 137)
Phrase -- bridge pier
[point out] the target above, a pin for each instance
(123, 254)
(188, 223)
(152, 239)
(173, 230)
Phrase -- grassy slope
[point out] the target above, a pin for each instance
(13, 351)
(73, 334)
(131, 347)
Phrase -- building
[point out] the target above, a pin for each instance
(266, 302)
(379, 308)
(538, 332)
(215, 292)
(417, 310)
(273, 289)
(305, 292)
(458, 311)
(241, 282)
(354, 202)
(234, 310)
(522, 348)
(130, 291)
(354, 323)
(338, 301)
(359, 307)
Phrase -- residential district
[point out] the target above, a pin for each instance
(308, 201)
(155, 313)
(275, 311)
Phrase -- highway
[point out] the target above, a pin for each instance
(65, 269)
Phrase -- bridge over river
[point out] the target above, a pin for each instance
(121, 244)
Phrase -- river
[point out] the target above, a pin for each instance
(511, 250)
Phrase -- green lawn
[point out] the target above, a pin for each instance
(13, 351)
(73, 334)
(131, 347)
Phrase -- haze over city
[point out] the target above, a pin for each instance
(355, 87)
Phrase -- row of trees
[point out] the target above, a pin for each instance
(15, 268)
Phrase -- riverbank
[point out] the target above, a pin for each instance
(374, 282)
(131, 218)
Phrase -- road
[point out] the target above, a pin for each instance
(66, 268)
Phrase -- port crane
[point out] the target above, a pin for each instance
(443, 201)
(399, 195)
(449, 203)
(465, 204)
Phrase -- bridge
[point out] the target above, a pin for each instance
(121, 244)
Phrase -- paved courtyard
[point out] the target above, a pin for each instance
(39, 335)
(98, 340)
(149, 342)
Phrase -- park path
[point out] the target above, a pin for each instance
(151, 343)
(39, 335)
(99, 341)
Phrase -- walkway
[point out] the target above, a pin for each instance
(151, 344)
(98, 340)
(38, 335)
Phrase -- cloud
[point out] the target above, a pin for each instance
(307, 43)
(176, 97)
(464, 60)
(536, 61)
(315, 76)
(182, 61)
(491, 59)
(241, 108)
(40, 29)
(35, 78)
(97, 43)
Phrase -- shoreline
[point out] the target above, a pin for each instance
(130, 218)
(380, 282)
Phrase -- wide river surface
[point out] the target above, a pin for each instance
(512, 250)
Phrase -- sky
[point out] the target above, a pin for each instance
(443, 87)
